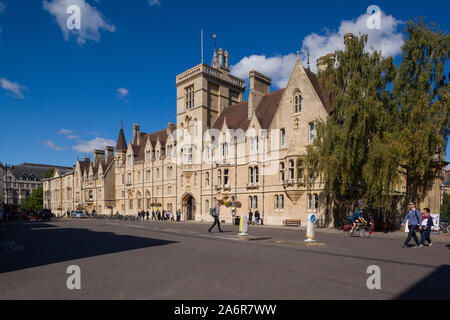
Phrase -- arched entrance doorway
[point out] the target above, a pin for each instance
(189, 207)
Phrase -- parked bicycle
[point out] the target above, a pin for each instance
(444, 227)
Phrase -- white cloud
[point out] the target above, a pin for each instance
(91, 145)
(152, 3)
(65, 131)
(387, 39)
(52, 145)
(92, 20)
(279, 68)
(15, 88)
(122, 93)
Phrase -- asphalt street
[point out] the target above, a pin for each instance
(167, 260)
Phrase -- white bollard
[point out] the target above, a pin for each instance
(310, 228)
(243, 226)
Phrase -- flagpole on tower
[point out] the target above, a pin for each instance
(202, 44)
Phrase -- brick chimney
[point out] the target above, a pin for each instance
(259, 85)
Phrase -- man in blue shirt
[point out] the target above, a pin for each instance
(357, 216)
(414, 220)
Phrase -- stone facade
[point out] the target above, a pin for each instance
(19, 181)
(88, 186)
(222, 148)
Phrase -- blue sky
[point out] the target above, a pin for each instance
(61, 94)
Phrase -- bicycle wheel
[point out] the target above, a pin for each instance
(365, 232)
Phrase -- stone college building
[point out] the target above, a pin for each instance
(247, 154)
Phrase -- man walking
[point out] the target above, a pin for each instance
(413, 218)
(216, 213)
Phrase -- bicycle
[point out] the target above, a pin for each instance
(444, 227)
(362, 229)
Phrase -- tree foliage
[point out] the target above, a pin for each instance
(422, 92)
(386, 121)
(34, 202)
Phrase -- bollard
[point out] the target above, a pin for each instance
(243, 226)
(310, 228)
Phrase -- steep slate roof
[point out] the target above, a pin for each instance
(236, 115)
(321, 91)
(267, 107)
(38, 171)
(102, 162)
(139, 150)
(84, 166)
(121, 145)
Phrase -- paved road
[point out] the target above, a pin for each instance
(164, 260)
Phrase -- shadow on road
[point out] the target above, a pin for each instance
(435, 286)
(32, 245)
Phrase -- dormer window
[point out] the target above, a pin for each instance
(189, 97)
(297, 102)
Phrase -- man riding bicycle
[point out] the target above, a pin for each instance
(356, 217)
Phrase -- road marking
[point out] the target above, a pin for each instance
(226, 238)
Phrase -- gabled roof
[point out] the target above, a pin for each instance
(321, 91)
(236, 115)
(267, 107)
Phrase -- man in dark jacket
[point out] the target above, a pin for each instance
(216, 213)
(414, 221)
(425, 228)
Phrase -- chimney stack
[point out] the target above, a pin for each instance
(220, 57)
(109, 152)
(322, 62)
(226, 59)
(136, 134)
(98, 155)
(259, 85)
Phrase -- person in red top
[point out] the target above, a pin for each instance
(425, 228)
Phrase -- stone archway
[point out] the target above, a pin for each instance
(188, 205)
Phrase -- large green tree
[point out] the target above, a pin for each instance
(34, 202)
(352, 151)
(422, 92)
(387, 123)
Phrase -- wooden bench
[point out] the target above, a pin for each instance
(292, 223)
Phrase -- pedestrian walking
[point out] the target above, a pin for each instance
(250, 217)
(425, 228)
(178, 215)
(256, 216)
(147, 214)
(216, 213)
(153, 215)
(414, 221)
